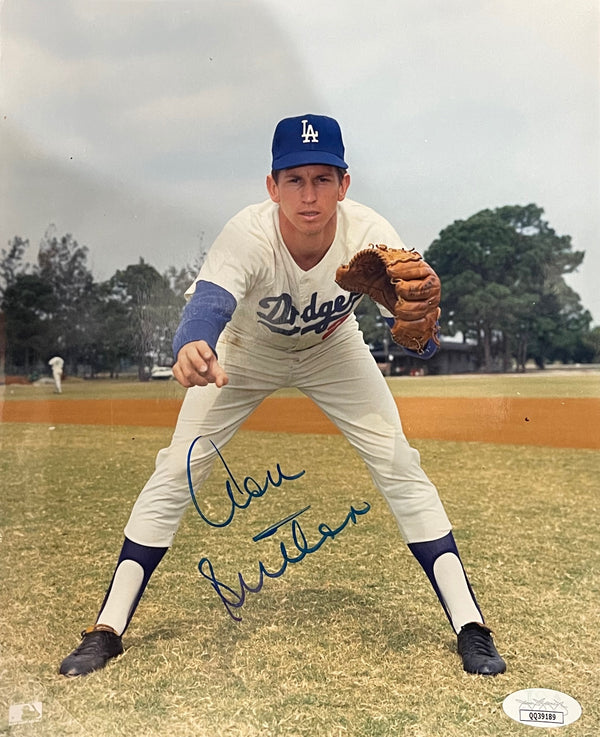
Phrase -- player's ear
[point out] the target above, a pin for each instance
(344, 184)
(272, 188)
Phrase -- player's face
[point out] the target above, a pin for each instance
(307, 197)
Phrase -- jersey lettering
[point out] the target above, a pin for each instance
(281, 316)
(281, 312)
(309, 134)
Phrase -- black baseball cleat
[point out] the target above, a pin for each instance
(98, 646)
(478, 652)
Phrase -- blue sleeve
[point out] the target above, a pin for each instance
(429, 351)
(205, 315)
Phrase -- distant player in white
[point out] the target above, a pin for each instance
(264, 313)
(57, 363)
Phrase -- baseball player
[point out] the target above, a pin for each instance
(56, 363)
(265, 312)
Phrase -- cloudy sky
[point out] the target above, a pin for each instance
(141, 126)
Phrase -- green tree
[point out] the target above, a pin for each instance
(27, 304)
(12, 262)
(11, 265)
(375, 330)
(591, 345)
(107, 342)
(180, 279)
(503, 284)
(152, 312)
(55, 306)
(62, 264)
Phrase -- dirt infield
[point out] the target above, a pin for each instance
(560, 423)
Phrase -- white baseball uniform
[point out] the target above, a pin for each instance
(273, 324)
(57, 363)
(287, 328)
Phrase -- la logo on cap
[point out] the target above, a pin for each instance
(307, 139)
(309, 135)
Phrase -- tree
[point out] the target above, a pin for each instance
(375, 330)
(55, 305)
(107, 341)
(180, 279)
(27, 303)
(11, 264)
(152, 311)
(62, 264)
(502, 275)
(591, 345)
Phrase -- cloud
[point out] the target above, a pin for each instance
(111, 85)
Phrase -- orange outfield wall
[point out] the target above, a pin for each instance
(561, 423)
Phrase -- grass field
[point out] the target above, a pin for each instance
(350, 641)
(534, 384)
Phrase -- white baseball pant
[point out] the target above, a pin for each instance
(341, 376)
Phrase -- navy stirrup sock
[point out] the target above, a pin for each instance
(427, 553)
(145, 556)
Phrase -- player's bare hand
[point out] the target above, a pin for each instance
(197, 365)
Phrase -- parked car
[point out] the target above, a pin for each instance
(161, 372)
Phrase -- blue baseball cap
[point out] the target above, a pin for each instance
(307, 139)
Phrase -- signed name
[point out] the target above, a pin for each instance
(239, 495)
(234, 598)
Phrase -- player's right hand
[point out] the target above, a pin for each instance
(197, 365)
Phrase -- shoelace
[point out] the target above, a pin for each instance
(91, 644)
(478, 641)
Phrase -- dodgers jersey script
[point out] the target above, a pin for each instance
(278, 303)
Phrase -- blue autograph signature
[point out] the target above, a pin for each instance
(233, 599)
(251, 488)
(240, 496)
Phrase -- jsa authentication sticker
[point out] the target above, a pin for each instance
(541, 707)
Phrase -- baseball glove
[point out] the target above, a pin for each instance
(404, 284)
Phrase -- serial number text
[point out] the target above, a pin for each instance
(542, 716)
